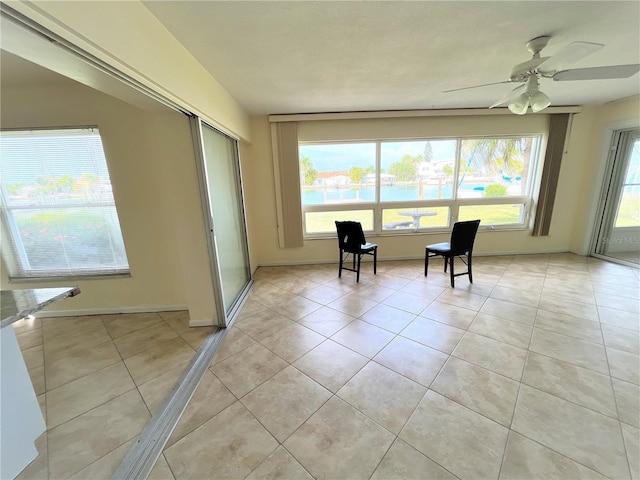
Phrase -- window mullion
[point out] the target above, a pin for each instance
(456, 177)
(377, 211)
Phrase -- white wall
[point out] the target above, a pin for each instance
(152, 169)
(176, 167)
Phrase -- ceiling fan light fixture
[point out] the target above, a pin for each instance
(531, 97)
(520, 104)
(539, 101)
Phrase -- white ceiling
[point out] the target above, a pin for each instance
(325, 56)
(303, 56)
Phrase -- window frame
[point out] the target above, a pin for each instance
(14, 252)
(527, 201)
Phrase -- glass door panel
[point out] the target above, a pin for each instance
(222, 173)
(628, 214)
(618, 234)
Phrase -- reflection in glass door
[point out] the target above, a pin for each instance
(619, 231)
(222, 175)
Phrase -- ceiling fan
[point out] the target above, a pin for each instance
(529, 73)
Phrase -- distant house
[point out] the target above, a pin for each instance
(434, 169)
(332, 179)
(385, 178)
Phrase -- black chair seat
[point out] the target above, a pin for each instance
(351, 241)
(463, 237)
(440, 247)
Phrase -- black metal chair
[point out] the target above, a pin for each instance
(463, 237)
(352, 242)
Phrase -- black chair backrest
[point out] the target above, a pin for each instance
(463, 236)
(350, 235)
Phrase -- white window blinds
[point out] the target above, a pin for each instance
(58, 213)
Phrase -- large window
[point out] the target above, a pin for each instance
(58, 213)
(417, 185)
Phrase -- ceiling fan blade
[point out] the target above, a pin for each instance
(512, 94)
(598, 73)
(568, 55)
(476, 86)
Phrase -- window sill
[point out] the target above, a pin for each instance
(421, 233)
(69, 278)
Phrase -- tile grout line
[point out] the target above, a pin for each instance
(521, 383)
(282, 444)
(121, 360)
(515, 404)
(615, 397)
(46, 407)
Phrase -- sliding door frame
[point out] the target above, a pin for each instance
(615, 143)
(225, 314)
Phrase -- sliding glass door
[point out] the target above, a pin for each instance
(619, 230)
(225, 202)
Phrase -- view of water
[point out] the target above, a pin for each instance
(388, 193)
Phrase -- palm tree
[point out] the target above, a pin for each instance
(508, 157)
(309, 173)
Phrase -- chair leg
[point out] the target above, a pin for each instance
(358, 270)
(445, 263)
(469, 268)
(451, 258)
(426, 262)
(375, 259)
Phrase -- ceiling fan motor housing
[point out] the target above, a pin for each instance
(537, 44)
(522, 71)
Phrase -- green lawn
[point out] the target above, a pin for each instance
(320, 222)
(76, 237)
(629, 211)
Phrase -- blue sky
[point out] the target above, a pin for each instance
(339, 156)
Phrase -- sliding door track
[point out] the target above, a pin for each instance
(144, 453)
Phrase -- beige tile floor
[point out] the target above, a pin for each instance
(633, 257)
(98, 380)
(531, 372)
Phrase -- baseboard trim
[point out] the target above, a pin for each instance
(110, 311)
(201, 323)
(413, 257)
